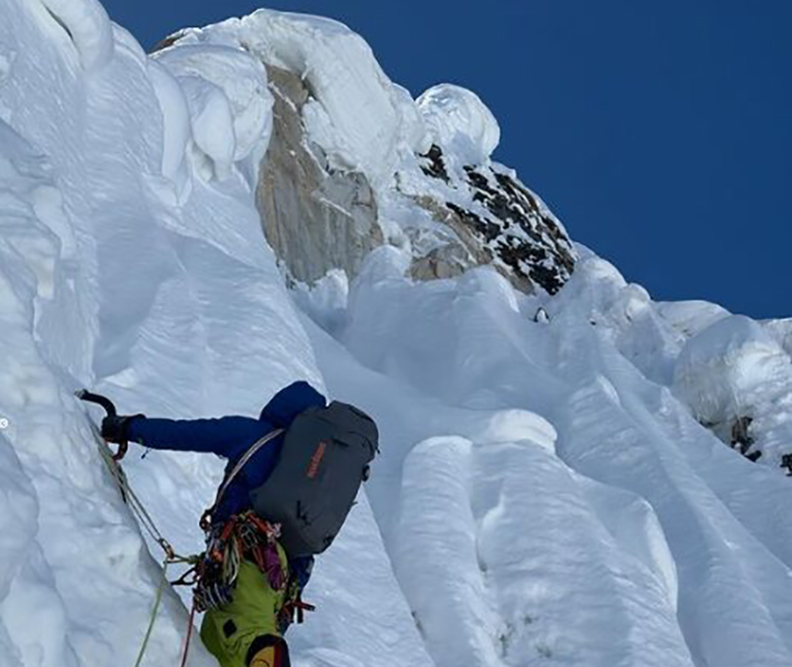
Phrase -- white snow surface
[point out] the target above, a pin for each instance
(460, 123)
(542, 497)
(242, 80)
(360, 118)
(781, 330)
(86, 24)
(736, 368)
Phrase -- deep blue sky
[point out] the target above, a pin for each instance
(659, 132)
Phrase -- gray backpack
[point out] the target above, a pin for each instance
(325, 457)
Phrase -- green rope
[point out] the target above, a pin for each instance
(133, 502)
(145, 520)
(154, 611)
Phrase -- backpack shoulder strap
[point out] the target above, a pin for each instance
(239, 465)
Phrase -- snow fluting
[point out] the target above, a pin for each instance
(564, 475)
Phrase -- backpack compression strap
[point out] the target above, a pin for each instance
(235, 471)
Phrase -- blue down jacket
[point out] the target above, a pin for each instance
(230, 437)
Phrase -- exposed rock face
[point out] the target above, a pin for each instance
(315, 218)
(449, 253)
(324, 206)
(506, 225)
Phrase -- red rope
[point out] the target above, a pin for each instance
(186, 648)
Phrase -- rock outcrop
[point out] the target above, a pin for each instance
(316, 218)
(351, 154)
(494, 219)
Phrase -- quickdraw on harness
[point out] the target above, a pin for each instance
(293, 606)
(244, 536)
(214, 572)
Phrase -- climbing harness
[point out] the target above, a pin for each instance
(213, 573)
(206, 517)
(293, 608)
(250, 538)
(243, 537)
(112, 462)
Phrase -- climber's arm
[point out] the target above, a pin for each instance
(226, 436)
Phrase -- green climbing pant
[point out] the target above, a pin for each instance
(229, 631)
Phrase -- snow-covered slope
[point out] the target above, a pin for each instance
(552, 488)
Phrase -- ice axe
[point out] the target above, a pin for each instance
(110, 409)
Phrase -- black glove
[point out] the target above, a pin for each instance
(114, 427)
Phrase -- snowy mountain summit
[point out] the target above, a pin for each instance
(571, 473)
(349, 154)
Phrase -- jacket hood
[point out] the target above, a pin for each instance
(290, 402)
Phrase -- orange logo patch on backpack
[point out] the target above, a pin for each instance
(316, 459)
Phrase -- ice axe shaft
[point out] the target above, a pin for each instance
(110, 409)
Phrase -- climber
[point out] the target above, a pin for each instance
(275, 509)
